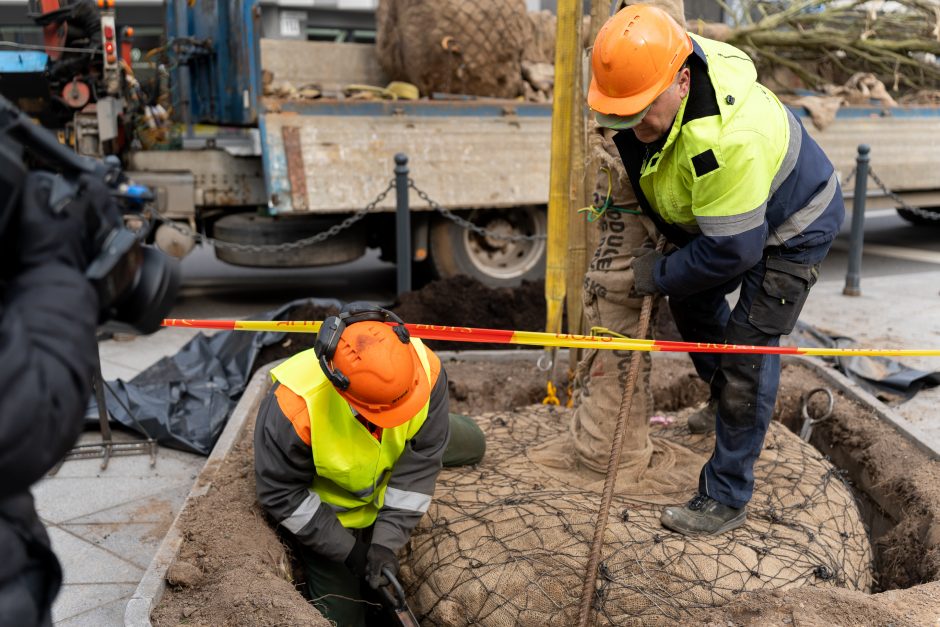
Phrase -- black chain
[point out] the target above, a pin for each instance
(849, 177)
(917, 211)
(467, 224)
(301, 243)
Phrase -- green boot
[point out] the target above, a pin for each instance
(703, 515)
(703, 420)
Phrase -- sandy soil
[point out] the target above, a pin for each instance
(232, 568)
(825, 607)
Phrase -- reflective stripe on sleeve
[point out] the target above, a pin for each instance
(793, 152)
(402, 499)
(795, 224)
(303, 514)
(716, 226)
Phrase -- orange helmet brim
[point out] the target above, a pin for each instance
(630, 105)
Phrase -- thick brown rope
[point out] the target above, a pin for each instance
(613, 463)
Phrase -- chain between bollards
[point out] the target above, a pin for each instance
(402, 225)
(853, 275)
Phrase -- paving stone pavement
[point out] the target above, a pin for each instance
(899, 311)
(106, 524)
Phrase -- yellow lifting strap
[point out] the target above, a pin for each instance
(567, 63)
(570, 402)
(551, 398)
(607, 332)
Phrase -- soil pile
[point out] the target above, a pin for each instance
(477, 387)
(465, 302)
(232, 568)
(824, 607)
(456, 301)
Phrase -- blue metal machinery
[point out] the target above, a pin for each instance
(214, 52)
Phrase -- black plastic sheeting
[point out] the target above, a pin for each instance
(184, 401)
(887, 379)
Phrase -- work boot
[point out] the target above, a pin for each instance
(703, 420)
(703, 515)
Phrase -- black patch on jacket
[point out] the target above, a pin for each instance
(704, 163)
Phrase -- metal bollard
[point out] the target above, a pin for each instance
(853, 275)
(402, 225)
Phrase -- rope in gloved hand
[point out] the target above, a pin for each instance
(613, 463)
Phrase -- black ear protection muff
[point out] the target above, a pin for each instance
(332, 329)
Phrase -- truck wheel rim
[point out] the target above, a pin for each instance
(501, 258)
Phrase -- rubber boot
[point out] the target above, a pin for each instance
(703, 515)
(703, 420)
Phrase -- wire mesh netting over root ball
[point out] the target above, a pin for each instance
(506, 542)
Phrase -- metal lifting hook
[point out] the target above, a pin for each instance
(808, 421)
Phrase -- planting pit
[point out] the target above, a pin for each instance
(233, 568)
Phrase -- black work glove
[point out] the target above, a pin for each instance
(644, 265)
(58, 219)
(356, 560)
(378, 558)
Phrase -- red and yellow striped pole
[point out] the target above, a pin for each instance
(557, 340)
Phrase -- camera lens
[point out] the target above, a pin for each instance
(149, 298)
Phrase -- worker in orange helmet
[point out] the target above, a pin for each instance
(747, 200)
(348, 446)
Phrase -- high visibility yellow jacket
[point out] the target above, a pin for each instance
(735, 174)
(321, 470)
(352, 466)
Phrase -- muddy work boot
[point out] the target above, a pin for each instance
(703, 420)
(703, 515)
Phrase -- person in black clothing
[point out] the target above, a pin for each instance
(48, 351)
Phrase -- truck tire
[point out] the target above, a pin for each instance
(921, 220)
(492, 261)
(251, 228)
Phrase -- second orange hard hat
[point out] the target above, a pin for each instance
(387, 383)
(636, 56)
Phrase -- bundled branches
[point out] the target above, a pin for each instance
(827, 42)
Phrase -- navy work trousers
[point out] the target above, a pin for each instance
(772, 295)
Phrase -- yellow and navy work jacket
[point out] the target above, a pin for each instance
(736, 174)
(322, 469)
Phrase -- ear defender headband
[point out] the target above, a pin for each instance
(332, 329)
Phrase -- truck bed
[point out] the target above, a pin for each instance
(325, 155)
(322, 156)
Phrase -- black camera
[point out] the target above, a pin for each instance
(136, 283)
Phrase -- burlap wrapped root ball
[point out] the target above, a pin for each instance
(453, 46)
(506, 542)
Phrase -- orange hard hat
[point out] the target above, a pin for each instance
(387, 383)
(636, 56)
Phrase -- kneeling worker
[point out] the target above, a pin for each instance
(348, 446)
